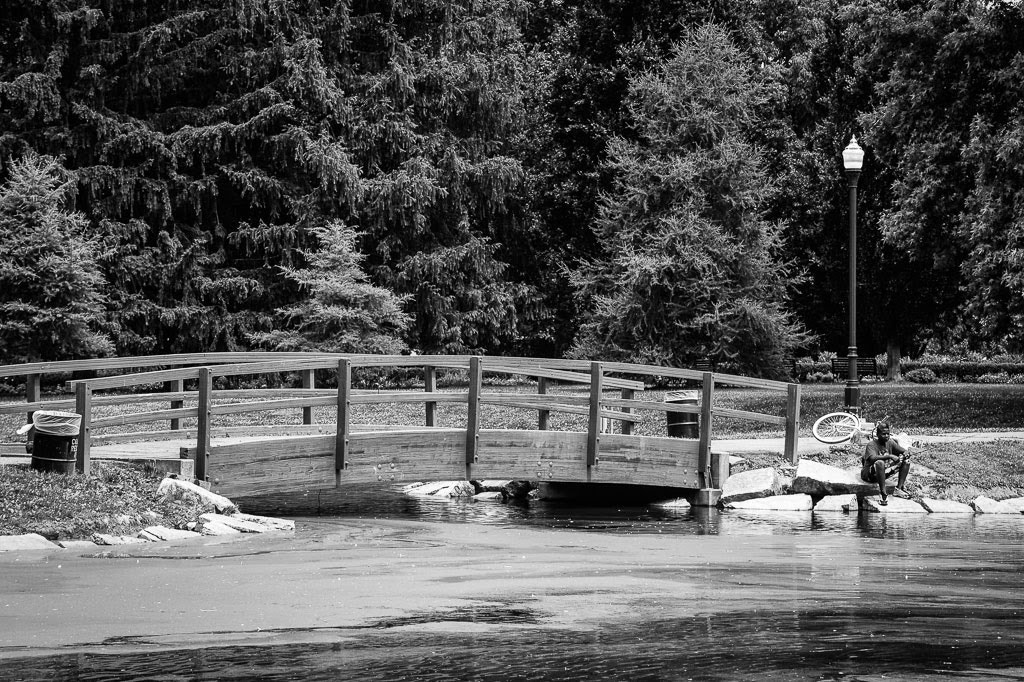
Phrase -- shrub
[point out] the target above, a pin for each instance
(994, 378)
(922, 375)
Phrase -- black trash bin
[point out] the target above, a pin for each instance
(682, 424)
(55, 441)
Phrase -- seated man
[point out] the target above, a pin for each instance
(883, 456)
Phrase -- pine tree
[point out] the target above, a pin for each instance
(689, 266)
(51, 290)
(340, 312)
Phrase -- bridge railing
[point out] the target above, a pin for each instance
(205, 403)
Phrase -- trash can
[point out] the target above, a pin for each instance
(682, 424)
(55, 443)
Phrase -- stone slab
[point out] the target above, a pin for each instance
(748, 485)
(489, 496)
(76, 544)
(27, 541)
(986, 505)
(164, 533)
(896, 505)
(674, 503)
(215, 528)
(106, 539)
(797, 502)
(270, 521)
(176, 488)
(815, 478)
(837, 503)
(240, 525)
(945, 506)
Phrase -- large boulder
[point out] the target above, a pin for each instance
(749, 485)
(986, 505)
(26, 541)
(1015, 502)
(798, 502)
(817, 479)
(945, 506)
(837, 503)
(176, 489)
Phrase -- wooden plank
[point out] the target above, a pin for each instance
(572, 409)
(171, 360)
(143, 417)
(651, 405)
(536, 399)
(626, 425)
(203, 429)
(33, 393)
(272, 405)
(473, 413)
(361, 398)
(563, 375)
(594, 418)
(175, 387)
(83, 406)
(751, 416)
(124, 380)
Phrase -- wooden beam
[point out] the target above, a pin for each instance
(308, 381)
(473, 413)
(430, 386)
(594, 420)
(203, 428)
(792, 423)
(33, 392)
(542, 415)
(83, 406)
(341, 434)
(626, 425)
(704, 451)
(176, 386)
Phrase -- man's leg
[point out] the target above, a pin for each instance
(904, 470)
(880, 477)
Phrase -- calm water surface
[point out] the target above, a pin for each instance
(952, 611)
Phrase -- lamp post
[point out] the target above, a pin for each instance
(853, 160)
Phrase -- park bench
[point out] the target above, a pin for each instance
(865, 367)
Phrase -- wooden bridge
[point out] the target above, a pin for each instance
(591, 421)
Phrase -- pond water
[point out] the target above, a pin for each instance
(437, 590)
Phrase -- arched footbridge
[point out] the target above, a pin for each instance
(267, 423)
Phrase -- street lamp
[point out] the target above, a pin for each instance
(853, 160)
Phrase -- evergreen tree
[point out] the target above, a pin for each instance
(689, 266)
(51, 290)
(341, 312)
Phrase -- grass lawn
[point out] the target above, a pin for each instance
(121, 498)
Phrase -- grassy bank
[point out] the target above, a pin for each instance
(121, 499)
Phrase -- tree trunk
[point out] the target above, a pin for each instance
(892, 356)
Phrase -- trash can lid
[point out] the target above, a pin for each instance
(57, 423)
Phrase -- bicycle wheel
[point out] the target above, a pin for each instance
(835, 427)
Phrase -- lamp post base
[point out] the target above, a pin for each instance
(853, 398)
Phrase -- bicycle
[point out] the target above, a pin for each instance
(840, 427)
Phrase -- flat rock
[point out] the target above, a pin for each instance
(270, 521)
(164, 533)
(986, 505)
(748, 485)
(897, 505)
(76, 544)
(817, 479)
(232, 522)
(797, 502)
(176, 488)
(489, 496)
(492, 485)
(946, 506)
(27, 541)
(105, 539)
(837, 503)
(1015, 502)
(216, 528)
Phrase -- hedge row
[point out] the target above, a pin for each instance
(945, 370)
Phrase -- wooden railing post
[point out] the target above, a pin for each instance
(341, 434)
(792, 423)
(542, 415)
(704, 446)
(83, 406)
(175, 386)
(594, 422)
(203, 427)
(627, 426)
(308, 381)
(33, 392)
(430, 386)
(473, 411)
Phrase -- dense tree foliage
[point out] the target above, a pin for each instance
(477, 153)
